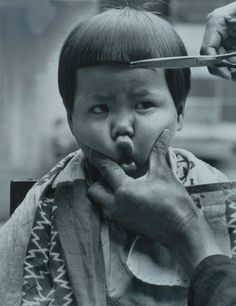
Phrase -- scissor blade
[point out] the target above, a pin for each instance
(175, 62)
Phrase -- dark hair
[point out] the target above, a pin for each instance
(122, 35)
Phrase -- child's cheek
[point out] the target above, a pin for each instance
(148, 137)
(95, 138)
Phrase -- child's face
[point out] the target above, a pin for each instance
(120, 112)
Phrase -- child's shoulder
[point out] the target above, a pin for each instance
(191, 170)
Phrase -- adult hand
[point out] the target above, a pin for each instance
(220, 37)
(155, 205)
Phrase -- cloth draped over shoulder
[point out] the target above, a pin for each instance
(58, 249)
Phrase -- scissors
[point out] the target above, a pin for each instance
(186, 61)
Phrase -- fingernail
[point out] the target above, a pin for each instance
(164, 137)
(230, 19)
(166, 132)
(227, 76)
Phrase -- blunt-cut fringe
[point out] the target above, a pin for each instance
(121, 36)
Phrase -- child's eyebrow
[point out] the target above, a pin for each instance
(139, 92)
(133, 94)
(142, 93)
(101, 97)
(112, 95)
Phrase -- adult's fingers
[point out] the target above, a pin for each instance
(109, 169)
(159, 150)
(211, 41)
(222, 72)
(220, 36)
(220, 24)
(99, 195)
(217, 31)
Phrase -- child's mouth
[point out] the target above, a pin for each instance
(126, 151)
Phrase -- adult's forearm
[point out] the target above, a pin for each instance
(213, 282)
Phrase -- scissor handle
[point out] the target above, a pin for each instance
(218, 60)
(226, 55)
(226, 63)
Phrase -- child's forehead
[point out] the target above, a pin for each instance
(116, 77)
(98, 84)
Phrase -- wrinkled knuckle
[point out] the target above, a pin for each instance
(158, 149)
(106, 166)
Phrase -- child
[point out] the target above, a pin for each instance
(58, 249)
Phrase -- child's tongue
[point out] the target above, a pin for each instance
(126, 150)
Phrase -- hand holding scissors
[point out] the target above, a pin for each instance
(220, 37)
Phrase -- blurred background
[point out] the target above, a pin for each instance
(33, 130)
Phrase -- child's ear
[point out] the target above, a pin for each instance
(180, 121)
(70, 122)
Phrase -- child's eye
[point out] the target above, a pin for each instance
(145, 105)
(100, 109)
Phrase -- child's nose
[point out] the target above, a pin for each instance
(123, 125)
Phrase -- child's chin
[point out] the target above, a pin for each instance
(134, 170)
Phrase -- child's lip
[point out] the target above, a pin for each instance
(125, 148)
(126, 154)
(129, 167)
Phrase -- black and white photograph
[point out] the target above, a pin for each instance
(117, 153)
